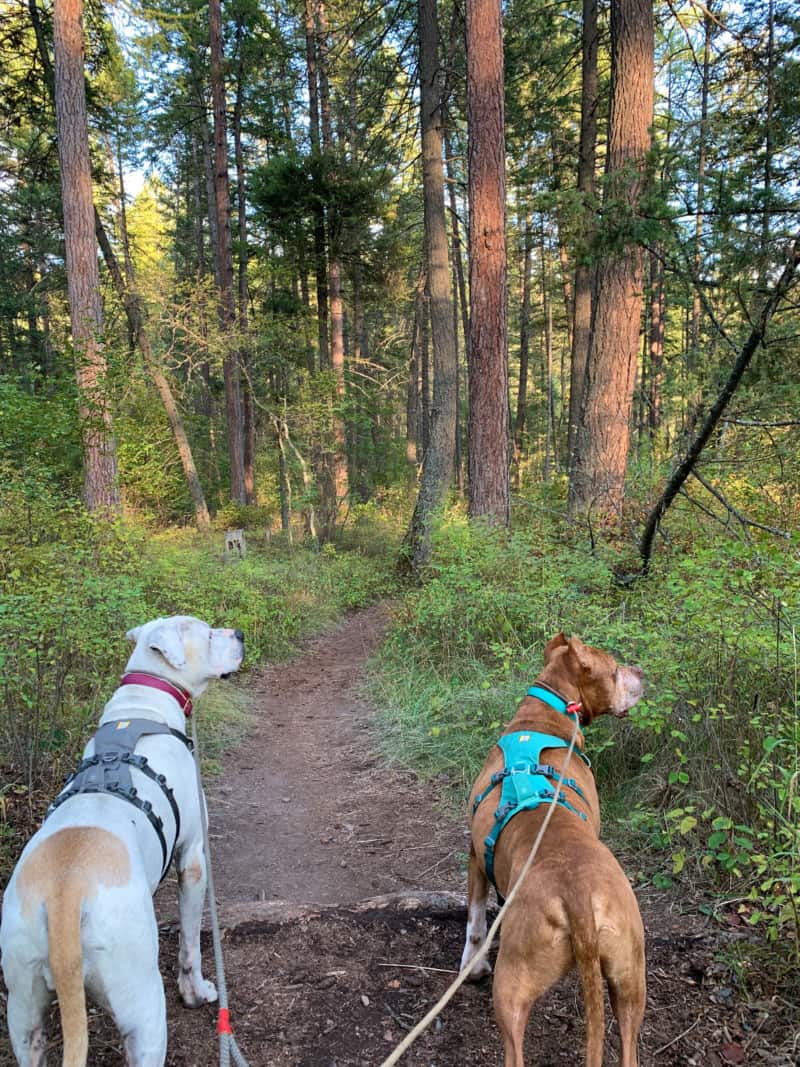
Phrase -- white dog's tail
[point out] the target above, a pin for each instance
(66, 965)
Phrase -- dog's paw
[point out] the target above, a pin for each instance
(195, 992)
(479, 971)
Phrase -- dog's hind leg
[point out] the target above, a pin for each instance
(521, 976)
(623, 962)
(515, 991)
(477, 894)
(27, 1004)
(628, 995)
(145, 1029)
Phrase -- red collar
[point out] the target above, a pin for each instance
(152, 682)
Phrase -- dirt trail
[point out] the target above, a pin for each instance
(305, 811)
(306, 821)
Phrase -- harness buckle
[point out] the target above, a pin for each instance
(501, 812)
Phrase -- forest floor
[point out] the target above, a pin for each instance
(340, 882)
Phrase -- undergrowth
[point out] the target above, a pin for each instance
(70, 588)
(704, 774)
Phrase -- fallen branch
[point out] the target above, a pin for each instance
(748, 350)
(743, 519)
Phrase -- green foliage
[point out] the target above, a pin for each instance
(706, 768)
(71, 586)
(39, 432)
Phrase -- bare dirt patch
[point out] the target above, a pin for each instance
(340, 884)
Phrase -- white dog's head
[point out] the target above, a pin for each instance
(185, 650)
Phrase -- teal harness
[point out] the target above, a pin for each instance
(526, 781)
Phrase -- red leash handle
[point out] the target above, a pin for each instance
(224, 1022)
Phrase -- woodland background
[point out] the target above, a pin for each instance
(299, 327)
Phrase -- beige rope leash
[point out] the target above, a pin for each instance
(483, 951)
(227, 1042)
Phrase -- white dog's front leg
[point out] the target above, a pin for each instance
(477, 895)
(194, 989)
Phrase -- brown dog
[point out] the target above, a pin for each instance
(576, 906)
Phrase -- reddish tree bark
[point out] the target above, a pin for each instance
(100, 477)
(598, 477)
(488, 347)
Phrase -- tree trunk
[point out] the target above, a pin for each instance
(563, 252)
(524, 348)
(598, 478)
(126, 291)
(582, 306)
(413, 398)
(100, 476)
(437, 467)
(694, 335)
(425, 369)
(211, 195)
(227, 309)
(319, 216)
(488, 346)
(754, 341)
(655, 377)
(248, 408)
(339, 475)
(459, 302)
(547, 315)
(769, 144)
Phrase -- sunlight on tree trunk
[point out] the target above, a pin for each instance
(437, 464)
(488, 325)
(100, 478)
(597, 482)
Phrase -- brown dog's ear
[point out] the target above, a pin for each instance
(579, 653)
(559, 641)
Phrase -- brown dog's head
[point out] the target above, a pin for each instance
(603, 686)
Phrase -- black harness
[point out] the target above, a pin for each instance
(109, 771)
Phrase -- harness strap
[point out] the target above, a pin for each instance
(525, 785)
(108, 771)
(540, 768)
(130, 796)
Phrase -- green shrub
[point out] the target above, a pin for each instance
(70, 587)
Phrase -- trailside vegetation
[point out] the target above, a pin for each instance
(254, 272)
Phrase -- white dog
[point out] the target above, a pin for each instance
(78, 912)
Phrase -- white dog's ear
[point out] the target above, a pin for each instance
(133, 635)
(169, 642)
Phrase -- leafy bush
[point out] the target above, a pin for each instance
(70, 587)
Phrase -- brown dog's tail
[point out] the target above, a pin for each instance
(66, 965)
(587, 957)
